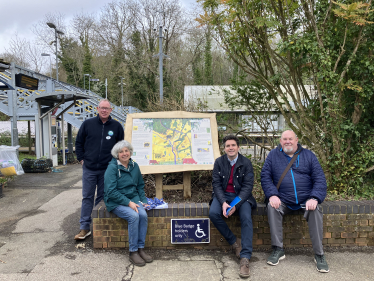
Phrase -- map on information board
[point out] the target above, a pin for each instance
(173, 141)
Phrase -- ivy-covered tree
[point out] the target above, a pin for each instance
(208, 75)
(87, 67)
(314, 60)
(196, 70)
(70, 57)
(141, 80)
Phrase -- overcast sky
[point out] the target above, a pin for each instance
(18, 16)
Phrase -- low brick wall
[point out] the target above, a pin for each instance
(344, 224)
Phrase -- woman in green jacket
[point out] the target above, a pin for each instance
(124, 196)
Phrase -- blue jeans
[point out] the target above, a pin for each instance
(137, 225)
(245, 215)
(90, 179)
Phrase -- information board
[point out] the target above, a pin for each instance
(26, 82)
(190, 231)
(175, 141)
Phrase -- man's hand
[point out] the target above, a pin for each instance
(82, 161)
(134, 206)
(232, 211)
(225, 206)
(311, 204)
(274, 201)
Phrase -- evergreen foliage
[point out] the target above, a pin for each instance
(315, 63)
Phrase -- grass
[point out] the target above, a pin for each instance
(23, 155)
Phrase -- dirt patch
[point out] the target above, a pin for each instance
(201, 188)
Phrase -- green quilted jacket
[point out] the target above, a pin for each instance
(123, 185)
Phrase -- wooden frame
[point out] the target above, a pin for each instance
(175, 115)
(186, 168)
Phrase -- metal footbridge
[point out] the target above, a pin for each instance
(18, 105)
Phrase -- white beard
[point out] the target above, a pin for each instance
(288, 149)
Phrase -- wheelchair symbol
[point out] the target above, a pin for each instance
(199, 232)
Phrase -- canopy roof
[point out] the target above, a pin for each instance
(58, 96)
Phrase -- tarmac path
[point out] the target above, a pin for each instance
(39, 217)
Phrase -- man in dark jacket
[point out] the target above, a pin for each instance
(95, 140)
(232, 177)
(303, 187)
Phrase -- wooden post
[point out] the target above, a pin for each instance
(254, 152)
(158, 180)
(187, 184)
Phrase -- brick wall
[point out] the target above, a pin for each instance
(344, 224)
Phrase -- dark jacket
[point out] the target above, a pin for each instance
(122, 186)
(95, 140)
(242, 179)
(303, 181)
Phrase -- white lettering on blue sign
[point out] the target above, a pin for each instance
(190, 231)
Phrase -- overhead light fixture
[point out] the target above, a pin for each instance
(51, 25)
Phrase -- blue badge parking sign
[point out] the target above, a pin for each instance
(190, 231)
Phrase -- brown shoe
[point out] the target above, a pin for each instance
(244, 268)
(82, 234)
(145, 256)
(237, 247)
(136, 259)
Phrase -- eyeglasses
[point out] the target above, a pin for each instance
(105, 108)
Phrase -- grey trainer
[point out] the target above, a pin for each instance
(321, 262)
(276, 256)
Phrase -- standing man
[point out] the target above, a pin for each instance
(232, 177)
(303, 186)
(95, 140)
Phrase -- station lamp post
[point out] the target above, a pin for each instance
(122, 88)
(89, 82)
(57, 31)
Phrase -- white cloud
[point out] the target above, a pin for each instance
(19, 16)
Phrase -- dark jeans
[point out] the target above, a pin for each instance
(90, 179)
(245, 215)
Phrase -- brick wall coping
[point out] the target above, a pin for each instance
(202, 209)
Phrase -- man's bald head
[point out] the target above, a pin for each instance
(289, 142)
(289, 131)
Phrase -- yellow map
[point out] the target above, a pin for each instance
(171, 140)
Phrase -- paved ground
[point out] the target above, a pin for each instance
(39, 218)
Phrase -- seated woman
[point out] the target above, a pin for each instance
(124, 195)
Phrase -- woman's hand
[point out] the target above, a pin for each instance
(134, 206)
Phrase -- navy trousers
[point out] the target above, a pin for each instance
(90, 179)
(245, 215)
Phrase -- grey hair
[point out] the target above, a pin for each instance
(119, 146)
(103, 101)
(290, 131)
